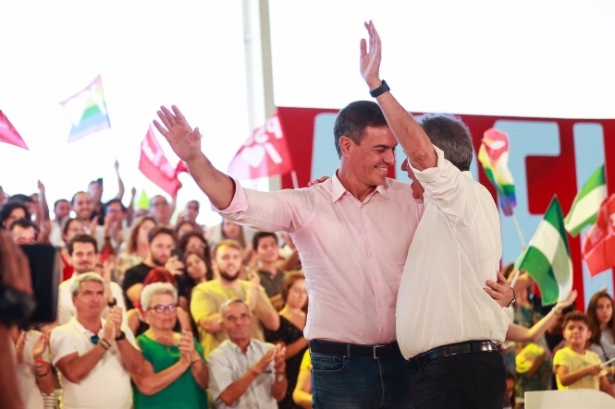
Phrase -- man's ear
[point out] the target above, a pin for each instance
(346, 145)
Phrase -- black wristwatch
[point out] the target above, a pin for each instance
(514, 298)
(112, 303)
(121, 336)
(16, 307)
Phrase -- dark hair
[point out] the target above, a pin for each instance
(116, 201)
(186, 238)
(354, 118)
(508, 269)
(448, 133)
(57, 202)
(194, 201)
(8, 208)
(241, 239)
(195, 227)
(24, 224)
(160, 230)
(209, 274)
(594, 325)
(131, 247)
(290, 279)
(21, 198)
(81, 238)
(67, 223)
(576, 316)
(72, 200)
(261, 235)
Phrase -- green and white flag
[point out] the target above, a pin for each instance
(547, 258)
(586, 204)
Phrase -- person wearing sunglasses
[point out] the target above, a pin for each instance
(94, 355)
(175, 372)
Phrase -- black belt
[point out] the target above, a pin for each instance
(339, 348)
(452, 349)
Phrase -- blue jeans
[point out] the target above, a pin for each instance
(339, 382)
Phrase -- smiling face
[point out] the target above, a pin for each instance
(195, 267)
(82, 206)
(369, 161)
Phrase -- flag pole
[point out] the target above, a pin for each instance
(518, 229)
(293, 176)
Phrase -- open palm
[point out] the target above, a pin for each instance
(185, 142)
(371, 57)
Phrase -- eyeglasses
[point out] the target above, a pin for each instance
(94, 339)
(161, 309)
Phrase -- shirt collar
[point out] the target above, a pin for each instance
(338, 190)
(84, 330)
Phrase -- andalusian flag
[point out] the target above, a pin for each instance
(547, 257)
(493, 155)
(87, 111)
(586, 205)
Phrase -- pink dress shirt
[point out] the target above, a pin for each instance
(353, 253)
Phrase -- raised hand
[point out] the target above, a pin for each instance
(174, 265)
(185, 142)
(561, 305)
(19, 346)
(370, 58)
(116, 165)
(40, 346)
(317, 181)
(263, 363)
(110, 329)
(280, 362)
(41, 186)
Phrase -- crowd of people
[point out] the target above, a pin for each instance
(155, 312)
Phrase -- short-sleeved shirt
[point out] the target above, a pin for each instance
(228, 363)
(273, 287)
(306, 362)
(208, 297)
(183, 393)
(575, 361)
(108, 383)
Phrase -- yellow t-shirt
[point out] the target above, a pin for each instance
(575, 361)
(306, 362)
(208, 297)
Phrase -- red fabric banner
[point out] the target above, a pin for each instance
(155, 165)
(8, 133)
(264, 154)
(599, 242)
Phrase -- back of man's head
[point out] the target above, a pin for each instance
(354, 118)
(451, 135)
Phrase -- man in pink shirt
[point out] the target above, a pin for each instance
(352, 232)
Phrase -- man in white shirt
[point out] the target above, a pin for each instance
(245, 372)
(447, 324)
(84, 255)
(95, 356)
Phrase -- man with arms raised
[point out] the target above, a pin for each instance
(208, 297)
(456, 248)
(351, 247)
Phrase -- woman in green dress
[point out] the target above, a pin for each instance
(175, 373)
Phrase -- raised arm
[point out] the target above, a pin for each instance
(120, 183)
(42, 202)
(186, 143)
(407, 131)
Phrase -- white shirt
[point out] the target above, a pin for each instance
(108, 383)
(66, 308)
(26, 374)
(455, 250)
(228, 363)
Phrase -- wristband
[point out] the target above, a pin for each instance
(380, 90)
(105, 344)
(42, 375)
(39, 361)
(121, 336)
(112, 303)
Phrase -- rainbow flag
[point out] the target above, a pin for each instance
(493, 155)
(87, 111)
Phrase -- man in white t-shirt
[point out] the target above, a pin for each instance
(84, 256)
(447, 324)
(94, 356)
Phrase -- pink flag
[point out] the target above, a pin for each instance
(8, 133)
(264, 154)
(155, 165)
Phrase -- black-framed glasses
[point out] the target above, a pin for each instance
(161, 309)
(94, 339)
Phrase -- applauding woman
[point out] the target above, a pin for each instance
(175, 374)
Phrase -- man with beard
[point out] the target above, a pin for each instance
(83, 208)
(84, 257)
(208, 297)
(161, 244)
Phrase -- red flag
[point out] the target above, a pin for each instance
(9, 134)
(155, 165)
(599, 242)
(264, 154)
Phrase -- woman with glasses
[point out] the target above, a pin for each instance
(175, 373)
